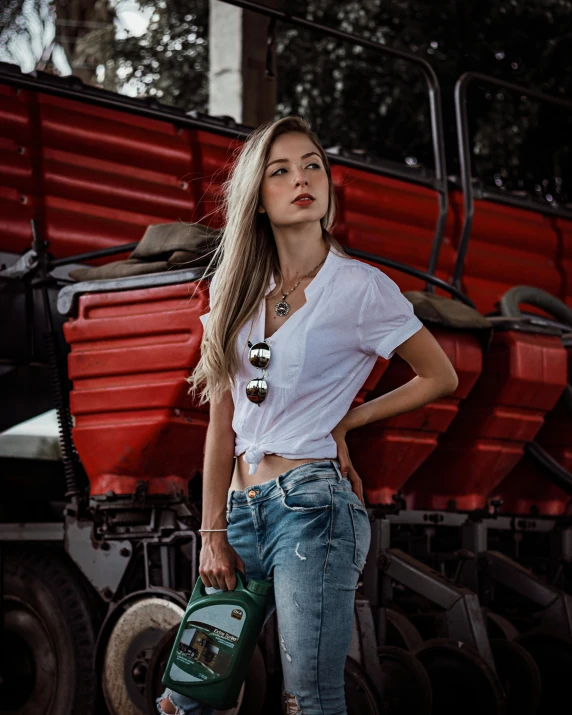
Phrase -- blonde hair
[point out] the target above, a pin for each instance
(246, 256)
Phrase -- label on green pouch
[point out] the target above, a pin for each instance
(207, 644)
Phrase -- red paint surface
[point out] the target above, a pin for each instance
(386, 453)
(522, 378)
(527, 490)
(134, 421)
(95, 178)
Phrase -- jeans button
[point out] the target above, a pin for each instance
(252, 493)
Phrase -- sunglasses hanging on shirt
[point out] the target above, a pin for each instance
(259, 356)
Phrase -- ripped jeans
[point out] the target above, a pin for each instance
(307, 532)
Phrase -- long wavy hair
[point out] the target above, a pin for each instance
(246, 256)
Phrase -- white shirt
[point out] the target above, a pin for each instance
(320, 358)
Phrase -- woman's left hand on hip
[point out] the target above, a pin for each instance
(346, 466)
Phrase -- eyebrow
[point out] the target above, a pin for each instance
(304, 156)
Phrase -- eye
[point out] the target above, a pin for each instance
(314, 163)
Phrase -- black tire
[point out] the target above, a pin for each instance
(401, 632)
(461, 680)
(406, 687)
(361, 698)
(519, 676)
(49, 638)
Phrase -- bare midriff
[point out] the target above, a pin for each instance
(270, 466)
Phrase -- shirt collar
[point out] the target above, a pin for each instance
(326, 271)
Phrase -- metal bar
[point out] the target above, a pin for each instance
(428, 518)
(514, 576)
(102, 253)
(32, 532)
(555, 605)
(415, 272)
(464, 145)
(434, 90)
(367, 632)
(2, 638)
(464, 618)
(528, 203)
(69, 295)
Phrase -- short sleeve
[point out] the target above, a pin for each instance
(386, 318)
(203, 318)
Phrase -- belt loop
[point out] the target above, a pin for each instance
(278, 485)
(338, 470)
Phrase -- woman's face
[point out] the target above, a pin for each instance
(294, 167)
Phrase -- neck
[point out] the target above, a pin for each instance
(300, 257)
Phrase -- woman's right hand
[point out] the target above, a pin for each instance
(218, 562)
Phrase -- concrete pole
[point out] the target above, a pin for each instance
(238, 86)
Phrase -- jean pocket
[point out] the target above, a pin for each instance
(362, 533)
(308, 496)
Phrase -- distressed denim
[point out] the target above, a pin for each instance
(307, 532)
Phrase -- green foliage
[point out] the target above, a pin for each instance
(379, 106)
(170, 61)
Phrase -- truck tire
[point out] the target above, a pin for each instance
(49, 638)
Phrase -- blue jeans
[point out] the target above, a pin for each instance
(307, 532)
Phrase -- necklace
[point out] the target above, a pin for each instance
(282, 308)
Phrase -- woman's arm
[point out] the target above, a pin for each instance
(218, 560)
(435, 377)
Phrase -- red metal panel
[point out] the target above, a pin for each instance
(216, 155)
(14, 119)
(527, 489)
(523, 376)
(119, 137)
(508, 247)
(92, 177)
(386, 453)
(97, 177)
(15, 215)
(391, 218)
(563, 230)
(134, 421)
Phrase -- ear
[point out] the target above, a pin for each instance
(261, 209)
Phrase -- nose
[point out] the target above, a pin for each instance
(300, 177)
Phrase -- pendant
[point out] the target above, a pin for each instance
(282, 308)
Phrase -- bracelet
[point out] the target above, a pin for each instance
(213, 529)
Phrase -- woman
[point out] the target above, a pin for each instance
(294, 329)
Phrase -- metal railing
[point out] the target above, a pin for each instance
(434, 91)
(464, 143)
(73, 88)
